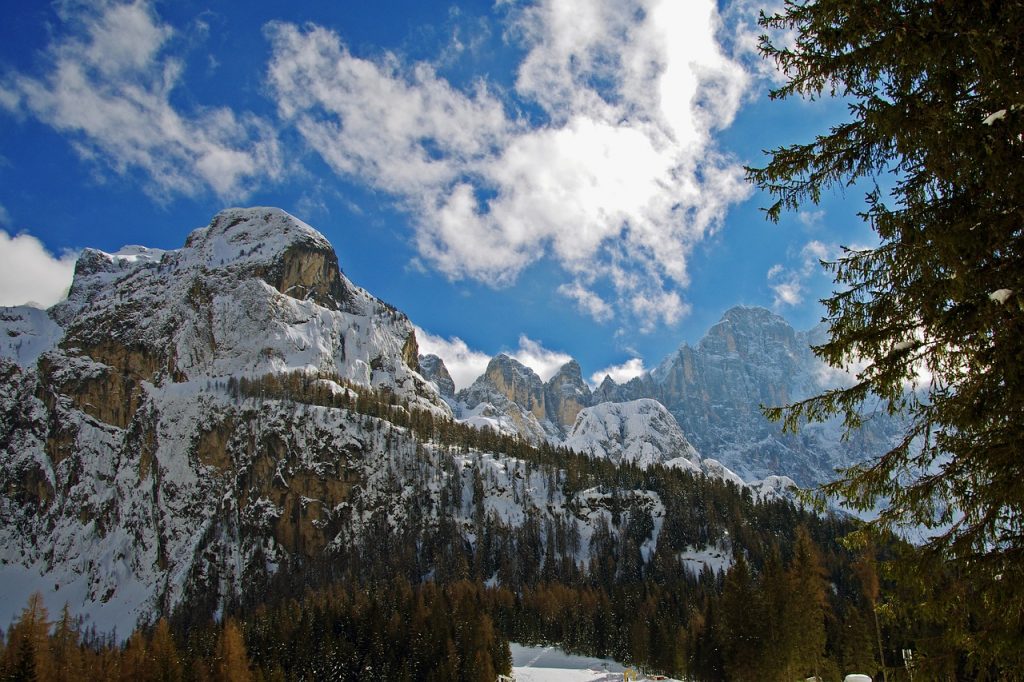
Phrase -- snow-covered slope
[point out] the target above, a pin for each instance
(256, 292)
(640, 432)
(129, 449)
(25, 333)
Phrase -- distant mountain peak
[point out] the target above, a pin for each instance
(433, 369)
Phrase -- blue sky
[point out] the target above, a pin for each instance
(559, 178)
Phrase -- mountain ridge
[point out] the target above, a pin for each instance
(191, 422)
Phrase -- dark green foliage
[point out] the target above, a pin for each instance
(936, 99)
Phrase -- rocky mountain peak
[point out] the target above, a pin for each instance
(750, 332)
(566, 394)
(278, 248)
(433, 369)
(516, 382)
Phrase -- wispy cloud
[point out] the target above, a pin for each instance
(620, 168)
(587, 301)
(107, 85)
(29, 273)
(789, 283)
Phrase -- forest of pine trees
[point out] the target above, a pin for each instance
(421, 603)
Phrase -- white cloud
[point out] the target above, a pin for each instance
(538, 358)
(788, 284)
(108, 86)
(5, 217)
(655, 306)
(811, 220)
(31, 274)
(620, 374)
(741, 36)
(620, 169)
(587, 301)
(463, 363)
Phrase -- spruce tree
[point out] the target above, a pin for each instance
(935, 90)
(807, 588)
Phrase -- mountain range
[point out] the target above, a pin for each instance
(704, 399)
(188, 422)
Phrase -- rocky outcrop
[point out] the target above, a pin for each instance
(515, 382)
(565, 394)
(434, 370)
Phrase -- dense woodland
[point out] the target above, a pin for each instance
(423, 603)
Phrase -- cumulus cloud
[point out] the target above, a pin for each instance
(811, 220)
(107, 85)
(618, 169)
(464, 364)
(29, 274)
(788, 283)
(620, 374)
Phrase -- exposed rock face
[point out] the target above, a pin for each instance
(433, 369)
(514, 381)
(715, 390)
(640, 432)
(508, 397)
(565, 395)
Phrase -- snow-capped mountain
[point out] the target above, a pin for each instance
(508, 397)
(640, 432)
(511, 398)
(189, 422)
(714, 390)
(754, 358)
(128, 449)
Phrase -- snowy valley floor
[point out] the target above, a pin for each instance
(550, 664)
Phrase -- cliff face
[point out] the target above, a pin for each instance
(754, 358)
(566, 394)
(433, 369)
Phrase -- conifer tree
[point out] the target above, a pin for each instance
(743, 624)
(135, 663)
(28, 655)
(935, 90)
(232, 661)
(164, 654)
(67, 654)
(807, 586)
